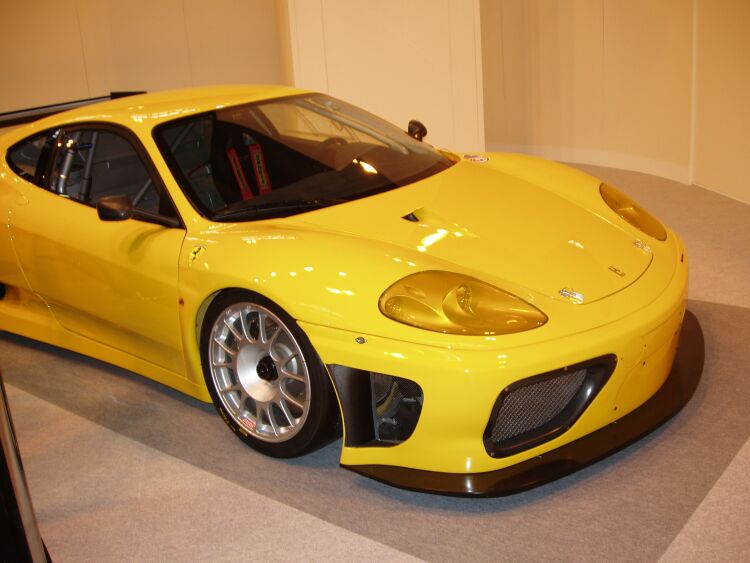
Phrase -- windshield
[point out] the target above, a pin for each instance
(289, 155)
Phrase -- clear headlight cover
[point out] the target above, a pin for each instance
(632, 212)
(457, 304)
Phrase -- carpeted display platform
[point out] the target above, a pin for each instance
(121, 468)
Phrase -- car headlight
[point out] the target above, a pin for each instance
(457, 304)
(632, 212)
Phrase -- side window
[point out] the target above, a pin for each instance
(91, 164)
(70, 159)
(25, 157)
(190, 146)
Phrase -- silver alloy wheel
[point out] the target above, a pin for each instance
(259, 372)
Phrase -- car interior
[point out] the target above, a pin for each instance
(89, 164)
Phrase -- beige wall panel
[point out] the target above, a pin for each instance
(722, 124)
(87, 48)
(601, 81)
(233, 41)
(493, 74)
(401, 60)
(466, 75)
(134, 45)
(547, 91)
(648, 79)
(308, 44)
(42, 61)
(389, 69)
(574, 53)
(285, 42)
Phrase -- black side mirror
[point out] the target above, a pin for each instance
(115, 208)
(417, 129)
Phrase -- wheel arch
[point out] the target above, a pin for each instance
(195, 327)
(192, 324)
(200, 314)
(202, 321)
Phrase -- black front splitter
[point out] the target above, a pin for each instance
(664, 404)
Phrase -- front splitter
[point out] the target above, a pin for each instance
(676, 391)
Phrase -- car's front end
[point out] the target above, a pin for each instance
(462, 413)
(472, 411)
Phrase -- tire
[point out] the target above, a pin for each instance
(264, 377)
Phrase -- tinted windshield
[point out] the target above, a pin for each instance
(289, 155)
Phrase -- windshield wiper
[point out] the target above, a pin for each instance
(274, 208)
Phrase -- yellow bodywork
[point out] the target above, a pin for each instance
(133, 293)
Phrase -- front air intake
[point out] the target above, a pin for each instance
(378, 409)
(537, 409)
(396, 406)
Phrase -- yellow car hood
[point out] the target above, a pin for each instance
(484, 221)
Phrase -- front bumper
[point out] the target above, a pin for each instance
(639, 326)
(666, 402)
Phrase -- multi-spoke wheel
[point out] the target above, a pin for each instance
(263, 375)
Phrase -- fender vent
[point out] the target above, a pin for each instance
(378, 409)
(540, 408)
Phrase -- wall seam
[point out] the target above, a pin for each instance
(325, 50)
(187, 44)
(602, 81)
(502, 55)
(693, 91)
(293, 41)
(450, 73)
(83, 52)
(479, 74)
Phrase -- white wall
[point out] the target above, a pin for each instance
(55, 51)
(399, 59)
(599, 81)
(722, 97)
(661, 87)
(656, 86)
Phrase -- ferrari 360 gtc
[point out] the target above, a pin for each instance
(481, 323)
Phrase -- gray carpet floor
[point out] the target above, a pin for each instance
(123, 469)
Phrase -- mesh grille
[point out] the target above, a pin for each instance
(537, 409)
(529, 407)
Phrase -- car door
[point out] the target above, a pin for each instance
(114, 282)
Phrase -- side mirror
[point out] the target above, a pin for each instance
(115, 208)
(417, 129)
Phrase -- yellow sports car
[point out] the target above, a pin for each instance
(482, 323)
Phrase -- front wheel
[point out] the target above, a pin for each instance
(263, 375)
